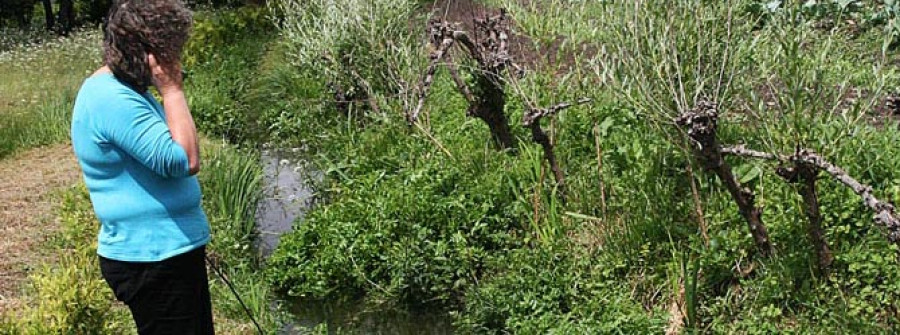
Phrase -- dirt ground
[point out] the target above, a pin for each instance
(523, 49)
(26, 211)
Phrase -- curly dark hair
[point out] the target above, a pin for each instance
(135, 28)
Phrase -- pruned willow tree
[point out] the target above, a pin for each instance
(689, 68)
(681, 65)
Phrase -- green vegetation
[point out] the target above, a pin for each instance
(221, 59)
(645, 240)
(70, 297)
(432, 214)
(37, 112)
(231, 180)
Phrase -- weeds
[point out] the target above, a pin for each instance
(408, 222)
(70, 297)
(36, 112)
(619, 237)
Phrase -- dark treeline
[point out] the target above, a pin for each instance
(61, 16)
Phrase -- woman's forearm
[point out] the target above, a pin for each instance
(181, 125)
(168, 82)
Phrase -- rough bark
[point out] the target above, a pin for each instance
(700, 124)
(442, 38)
(490, 105)
(487, 96)
(493, 59)
(804, 175)
(532, 120)
(540, 137)
(884, 212)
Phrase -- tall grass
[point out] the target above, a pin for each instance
(30, 73)
(370, 54)
(44, 124)
(628, 238)
(231, 183)
(38, 84)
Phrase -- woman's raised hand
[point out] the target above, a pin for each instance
(166, 78)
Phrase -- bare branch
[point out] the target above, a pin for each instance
(460, 83)
(532, 120)
(533, 115)
(487, 98)
(742, 151)
(540, 137)
(884, 212)
(436, 58)
(805, 176)
(701, 125)
(471, 47)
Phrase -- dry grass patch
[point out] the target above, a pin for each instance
(27, 181)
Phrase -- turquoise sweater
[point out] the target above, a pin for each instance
(147, 203)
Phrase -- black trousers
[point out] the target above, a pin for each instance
(166, 297)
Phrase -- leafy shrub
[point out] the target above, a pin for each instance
(401, 233)
(70, 297)
(221, 58)
(213, 31)
(552, 291)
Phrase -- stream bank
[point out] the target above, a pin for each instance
(288, 193)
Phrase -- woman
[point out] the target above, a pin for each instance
(139, 159)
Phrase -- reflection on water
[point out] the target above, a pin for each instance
(288, 194)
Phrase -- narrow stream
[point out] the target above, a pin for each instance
(288, 194)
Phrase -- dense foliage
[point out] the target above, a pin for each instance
(432, 213)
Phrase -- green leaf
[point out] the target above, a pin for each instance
(752, 174)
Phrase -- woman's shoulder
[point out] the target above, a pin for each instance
(105, 83)
(103, 90)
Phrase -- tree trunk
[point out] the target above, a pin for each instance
(746, 203)
(701, 126)
(48, 14)
(539, 136)
(66, 17)
(806, 178)
(490, 107)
